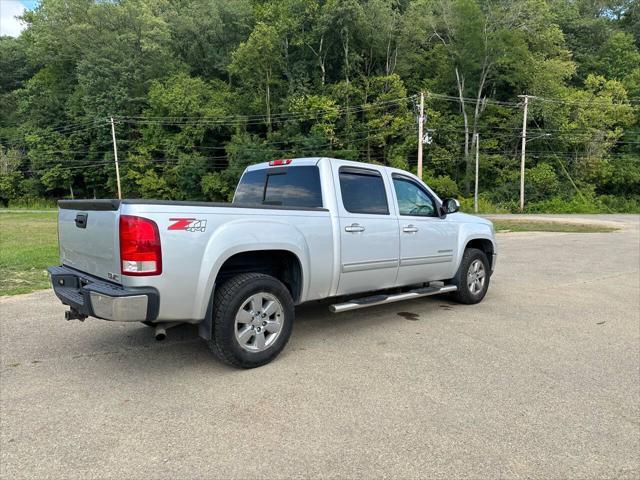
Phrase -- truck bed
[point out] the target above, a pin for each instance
(114, 204)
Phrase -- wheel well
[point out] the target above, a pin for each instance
(281, 264)
(482, 244)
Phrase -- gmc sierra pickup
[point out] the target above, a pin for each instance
(297, 230)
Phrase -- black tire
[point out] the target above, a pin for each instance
(464, 293)
(148, 323)
(228, 299)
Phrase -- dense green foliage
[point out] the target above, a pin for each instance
(201, 88)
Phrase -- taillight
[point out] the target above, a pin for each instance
(140, 252)
(277, 163)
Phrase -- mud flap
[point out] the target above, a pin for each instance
(205, 327)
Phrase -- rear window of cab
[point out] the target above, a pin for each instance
(281, 186)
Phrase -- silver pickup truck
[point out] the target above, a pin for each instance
(297, 230)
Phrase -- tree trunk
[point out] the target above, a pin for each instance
(347, 119)
(287, 69)
(395, 60)
(460, 85)
(387, 66)
(321, 55)
(476, 114)
(345, 47)
(364, 117)
(321, 59)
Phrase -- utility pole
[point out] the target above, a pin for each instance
(420, 134)
(475, 191)
(524, 146)
(115, 155)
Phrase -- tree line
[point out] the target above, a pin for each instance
(199, 89)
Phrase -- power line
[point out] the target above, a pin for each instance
(587, 102)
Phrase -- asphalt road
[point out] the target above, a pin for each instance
(542, 380)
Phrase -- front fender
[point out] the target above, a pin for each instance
(246, 235)
(473, 231)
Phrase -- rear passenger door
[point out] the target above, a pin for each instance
(369, 238)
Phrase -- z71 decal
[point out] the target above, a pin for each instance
(188, 224)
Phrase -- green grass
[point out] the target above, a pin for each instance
(28, 244)
(542, 226)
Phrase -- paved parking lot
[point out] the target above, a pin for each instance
(542, 379)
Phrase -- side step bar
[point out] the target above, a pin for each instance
(398, 297)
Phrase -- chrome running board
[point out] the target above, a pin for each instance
(398, 297)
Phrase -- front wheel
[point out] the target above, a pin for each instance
(472, 277)
(252, 320)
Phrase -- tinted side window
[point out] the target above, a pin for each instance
(413, 200)
(363, 192)
(287, 187)
(251, 187)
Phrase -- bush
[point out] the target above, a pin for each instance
(485, 205)
(559, 205)
(542, 182)
(33, 203)
(621, 204)
(444, 186)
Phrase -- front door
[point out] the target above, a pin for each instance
(369, 238)
(427, 242)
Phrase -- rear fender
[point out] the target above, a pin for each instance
(252, 235)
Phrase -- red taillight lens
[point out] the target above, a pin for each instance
(277, 163)
(140, 252)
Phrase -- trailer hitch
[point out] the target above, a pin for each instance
(73, 314)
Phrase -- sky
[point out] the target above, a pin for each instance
(9, 9)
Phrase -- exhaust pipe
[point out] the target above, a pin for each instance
(161, 333)
(161, 329)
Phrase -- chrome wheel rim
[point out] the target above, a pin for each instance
(259, 322)
(476, 276)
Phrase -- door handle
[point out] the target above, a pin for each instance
(409, 229)
(354, 228)
(81, 220)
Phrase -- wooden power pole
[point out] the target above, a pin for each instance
(420, 134)
(475, 190)
(115, 154)
(524, 146)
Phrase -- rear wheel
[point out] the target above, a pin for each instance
(472, 278)
(252, 320)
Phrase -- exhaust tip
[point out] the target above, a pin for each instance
(161, 329)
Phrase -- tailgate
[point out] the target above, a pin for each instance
(88, 236)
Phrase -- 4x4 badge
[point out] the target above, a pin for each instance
(188, 224)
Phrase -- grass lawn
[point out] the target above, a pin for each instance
(28, 244)
(542, 226)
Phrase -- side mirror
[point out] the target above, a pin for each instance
(450, 205)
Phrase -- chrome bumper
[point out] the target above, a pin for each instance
(123, 309)
(89, 296)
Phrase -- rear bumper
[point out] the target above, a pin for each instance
(93, 297)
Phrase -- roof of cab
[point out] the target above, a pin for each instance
(294, 161)
(305, 161)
